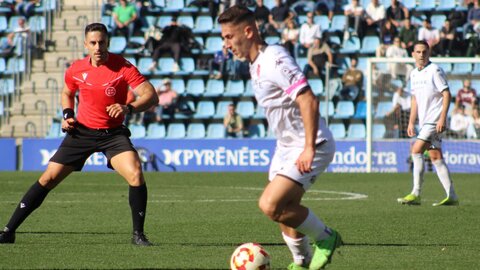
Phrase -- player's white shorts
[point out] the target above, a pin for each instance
(283, 163)
(429, 134)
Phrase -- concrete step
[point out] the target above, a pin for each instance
(27, 126)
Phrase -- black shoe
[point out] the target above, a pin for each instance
(7, 237)
(139, 239)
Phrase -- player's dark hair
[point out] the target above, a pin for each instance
(236, 14)
(96, 27)
(421, 42)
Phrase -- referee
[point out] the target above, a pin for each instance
(102, 80)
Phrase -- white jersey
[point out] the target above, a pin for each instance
(427, 86)
(277, 80)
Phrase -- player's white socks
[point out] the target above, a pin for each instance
(418, 170)
(300, 248)
(444, 176)
(314, 228)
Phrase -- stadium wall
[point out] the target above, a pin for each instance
(243, 155)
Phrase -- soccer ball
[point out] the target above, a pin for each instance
(250, 256)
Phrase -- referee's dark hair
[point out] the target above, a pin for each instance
(96, 27)
(236, 14)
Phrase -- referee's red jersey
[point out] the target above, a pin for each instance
(100, 87)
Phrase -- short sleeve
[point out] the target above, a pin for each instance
(133, 77)
(440, 79)
(70, 82)
(287, 74)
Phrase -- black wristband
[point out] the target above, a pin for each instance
(68, 113)
(130, 109)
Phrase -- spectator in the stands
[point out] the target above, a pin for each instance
(325, 7)
(317, 57)
(177, 40)
(233, 123)
(374, 16)
(7, 46)
(22, 36)
(408, 35)
(431, 35)
(219, 66)
(290, 37)
(212, 6)
(466, 97)
(261, 13)
(352, 81)
(473, 20)
(476, 122)
(239, 69)
(397, 13)
(26, 8)
(398, 69)
(167, 100)
(448, 39)
(278, 18)
(308, 32)
(124, 17)
(387, 33)
(354, 17)
(462, 125)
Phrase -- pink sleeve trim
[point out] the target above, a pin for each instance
(296, 85)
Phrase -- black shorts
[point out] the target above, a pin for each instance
(82, 142)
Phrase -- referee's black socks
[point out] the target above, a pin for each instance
(30, 201)
(137, 197)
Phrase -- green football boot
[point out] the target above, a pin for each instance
(324, 251)
(447, 202)
(410, 199)
(294, 266)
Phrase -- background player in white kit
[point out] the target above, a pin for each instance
(305, 146)
(430, 100)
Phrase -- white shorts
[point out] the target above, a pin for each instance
(283, 163)
(429, 134)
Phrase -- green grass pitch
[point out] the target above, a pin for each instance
(196, 220)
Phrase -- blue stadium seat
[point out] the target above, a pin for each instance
(216, 27)
(151, 21)
(234, 88)
(335, 40)
(117, 44)
(164, 20)
(447, 67)
(246, 109)
(176, 131)
(269, 4)
(410, 4)
(345, 110)
(362, 63)
(323, 21)
(15, 65)
(248, 89)
(132, 60)
(326, 109)
(317, 86)
(378, 131)
(195, 87)
(356, 131)
(107, 21)
(476, 86)
(351, 45)
(361, 110)
(174, 6)
(203, 24)
(196, 131)
(136, 40)
(454, 86)
(3, 24)
(215, 131)
(7, 86)
(302, 62)
(187, 66)
(3, 64)
(438, 20)
(186, 20)
(213, 44)
(338, 130)
(476, 69)
(165, 66)
(138, 131)
(425, 6)
(37, 24)
(2, 108)
(259, 113)
(215, 88)
(143, 65)
(382, 108)
(370, 44)
(179, 115)
(205, 110)
(13, 23)
(446, 5)
(222, 108)
(461, 69)
(272, 40)
(256, 131)
(338, 23)
(156, 131)
(178, 85)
